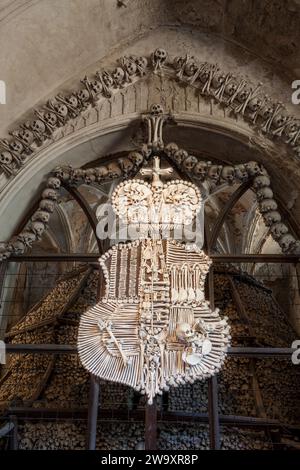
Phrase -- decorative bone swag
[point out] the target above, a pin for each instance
(153, 327)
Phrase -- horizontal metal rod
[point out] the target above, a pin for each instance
(92, 257)
(107, 415)
(68, 348)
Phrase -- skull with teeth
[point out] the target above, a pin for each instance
(189, 163)
(61, 109)
(51, 119)
(136, 158)
(271, 217)
(279, 120)
(264, 193)
(201, 170)
(278, 230)
(27, 237)
(72, 101)
(227, 174)
(18, 247)
(241, 172)
(243, 95)
(268, 205)
(6, 158)
(101, 172)
(41, 216)
(26, 136)
(77, 175)
(114, 171)
(214, 173)
(254, 104)
(38, 228)
(159, 56)
(16, 147)
(266, 111)
(261, 181)
(253, 168)
(89, 176)
(130, 65)
(83, 95)
(47, 205)
(180, 155)
(53, 183)
(185, 332)
(287, 242)
(96, 87)
(231, 88)
(118, 76)
(171, 149)
(38, 126)
(49, 194)
(141, 63)
(126, 165)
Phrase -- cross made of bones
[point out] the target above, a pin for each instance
(156, 172)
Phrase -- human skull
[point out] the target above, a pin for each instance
(4, 251)
(101, 172)
(171, 148)
(49, 194)
(38, 228)
(38, 126)
(16, 146)
(271, 217)
(214, 173)
(278, 230)
(241, 172)
(89, 176)
(227, 174)
(264, 193)
(243, 95)
(18, 247)
(61, 109)
(286, 242)
(47, 205)
(156, 109)
(261, 181)
(72, 100)
(190, 67)
(27, 237)
(279, 120)
(253, 168)
(180, 155)
(41, 216)
(77, 175)
(53, 183)
(266, 111)
(131, 65)
(136, 158)
(96, 87)
(126, 165)
(118, 75)
(254, 104)
(160, 55)
(83, 95)
(141, 62)
(268, 205)
(190, 162)
(218, 79)
(62, 172)
(185, 332)
(201, 170)
(114, 171)
(290, 129)
(231, 88)
(51, 118)
(6, 158)
(26, 136)
(107, 79)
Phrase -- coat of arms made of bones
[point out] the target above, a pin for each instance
(153, 327)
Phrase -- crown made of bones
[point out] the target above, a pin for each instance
(156, 204)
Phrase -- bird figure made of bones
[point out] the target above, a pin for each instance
(153, 327)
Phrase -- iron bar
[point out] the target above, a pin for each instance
(93, 413)
(151, 426)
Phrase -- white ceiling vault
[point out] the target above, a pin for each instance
(48, 46)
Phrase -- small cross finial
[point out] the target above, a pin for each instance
(156, 172)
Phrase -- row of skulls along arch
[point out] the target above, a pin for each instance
(238, 94)
(125, 167)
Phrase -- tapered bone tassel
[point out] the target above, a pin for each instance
(191, 291)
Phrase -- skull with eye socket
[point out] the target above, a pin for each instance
(16, 147)
(185, 332)
(26, 136)
(27, 237)
(189, 163)
(227, 174)
(51, 119)
(118, 76)
(287, 242)
(214, 173)
(180, 155)
(53, 183)
(126, 165)
(159, 56)
(231, 88)
(61, 109)
(253, 168)
(291, 129)
(83, 96)
(38, 126)
(279, 120)
(171, 148)
(201, 170)
(41, 216)
(6, 158)
(254, 104)
(136, 158)
(241, 172)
